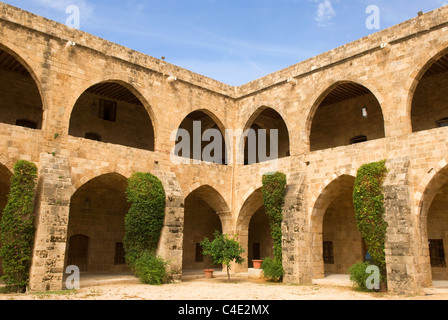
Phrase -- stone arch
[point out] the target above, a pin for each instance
(97, 211)
(422, 192)
(214, 199)
(252, 215)
(278, 119)
(336, 196)
(205, 211)
(343, 92)
(33, 104)
(432, 219)
(421, 80)
(208, 120)
(138, 112)
(7, 162)
(92, 174)
(252, 203)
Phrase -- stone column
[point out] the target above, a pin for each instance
(297, 262)
(52, 208)
(171, 240)
(402, 234)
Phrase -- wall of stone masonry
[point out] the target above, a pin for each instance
(392, 74)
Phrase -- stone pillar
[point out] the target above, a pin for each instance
(402, 233)
(297, 262)
(171, 240)
(52, 208)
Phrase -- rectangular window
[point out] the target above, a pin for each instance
(199, 254)
(108, 110)
(437, 253)
(328, 252)
(119, 254)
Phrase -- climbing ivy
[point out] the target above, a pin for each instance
(368, 200)
(17, 226)
(144, 221)
(273, 190)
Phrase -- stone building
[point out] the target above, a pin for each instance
(89, 113)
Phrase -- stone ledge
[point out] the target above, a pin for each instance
(256, 273)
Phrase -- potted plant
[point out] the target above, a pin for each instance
(208, 273)
(257, 264)
(223, 250)
(208, 270)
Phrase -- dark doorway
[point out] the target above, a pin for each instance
(78, 251)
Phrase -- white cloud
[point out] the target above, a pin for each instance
(325, 12)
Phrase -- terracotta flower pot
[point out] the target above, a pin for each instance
(257, 264)
(208, 273)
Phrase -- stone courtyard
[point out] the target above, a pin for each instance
(89, 113)
(126, 287)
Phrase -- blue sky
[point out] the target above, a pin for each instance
(233, 41)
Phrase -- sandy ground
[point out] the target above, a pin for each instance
(240, 288)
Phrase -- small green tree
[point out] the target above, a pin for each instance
(272, 269)
(359, 276)
(17, 226)
(151, 269)
(223, 250)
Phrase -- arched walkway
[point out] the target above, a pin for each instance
(254, 231)
(110, 112)
(201, 137)
(337, 243)
(434, 227)
(429, 98)
(347, 113)
(261, 126)
(204, 209)
(20, 99)
(96, 225)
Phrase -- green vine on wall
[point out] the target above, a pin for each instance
(144, 221)
(368, 200)
(273, 190)
(17, 226)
